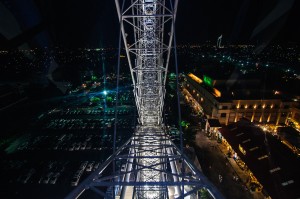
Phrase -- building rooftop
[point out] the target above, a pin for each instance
(248, 94)
(263, 157)
(214, 123)
(237, 88)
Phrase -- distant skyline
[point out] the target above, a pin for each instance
(93, 23)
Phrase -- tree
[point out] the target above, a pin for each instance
(204, 194)
(94, 99)
(184, 124)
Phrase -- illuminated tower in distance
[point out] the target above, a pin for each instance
(219, 41)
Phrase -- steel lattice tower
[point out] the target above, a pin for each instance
(153, 166)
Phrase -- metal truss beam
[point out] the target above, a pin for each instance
(149, 165)
(143, 26)
(155, 170)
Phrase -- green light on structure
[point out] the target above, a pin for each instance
(207, 80)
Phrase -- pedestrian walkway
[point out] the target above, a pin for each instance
(233, 178)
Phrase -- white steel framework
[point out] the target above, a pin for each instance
(152, 167)
(147, 50)
(149, 164)
(143, 24)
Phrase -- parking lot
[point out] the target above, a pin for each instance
(63, 147)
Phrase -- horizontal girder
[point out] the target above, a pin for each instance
(154, 166)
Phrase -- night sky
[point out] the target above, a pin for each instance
(93, 23)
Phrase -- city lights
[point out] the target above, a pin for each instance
(108, 99)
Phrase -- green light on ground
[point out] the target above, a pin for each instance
(172, 76)
(109, 99)
(95, 99)
(94, 78)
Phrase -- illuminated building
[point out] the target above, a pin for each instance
(245, 100)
